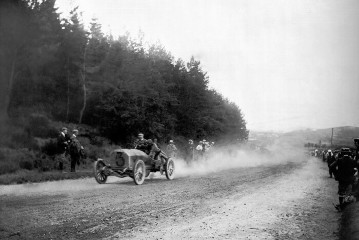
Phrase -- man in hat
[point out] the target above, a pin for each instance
(75, 150)
(199, 150)
(356, 153)
(356, 160)
(205, 148)
(190, 151)
(141, 143)
(62, 145)
(345, 175)
(171, 149)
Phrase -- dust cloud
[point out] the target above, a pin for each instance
(231, 157)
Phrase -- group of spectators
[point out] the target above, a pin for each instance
(343, 165)
(192, 152)
(198, 152)
(69, 145)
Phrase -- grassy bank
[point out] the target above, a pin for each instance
(27, 176)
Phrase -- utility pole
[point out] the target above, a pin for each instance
(331, 140)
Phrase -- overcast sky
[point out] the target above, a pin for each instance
(288, 64)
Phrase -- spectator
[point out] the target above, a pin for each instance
(345, 176)
(171, 149)
(199, 150)
(62, 144)
(190, 151)
(330, 159)
(75, 150)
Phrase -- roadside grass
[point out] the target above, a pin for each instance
(29, 150)
(27, 176)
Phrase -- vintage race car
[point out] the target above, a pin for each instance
(132, 163)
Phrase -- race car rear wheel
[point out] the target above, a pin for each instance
(170, 169)
(139, 172)
(100, 175)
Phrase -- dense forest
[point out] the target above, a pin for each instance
(72, 73)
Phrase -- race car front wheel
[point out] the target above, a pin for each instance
(99, 172)
(139, 172)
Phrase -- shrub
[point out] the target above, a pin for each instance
(44, 163)
(12, 160)
(23, 140)
(26, 159)
(98, 141)
(8, 166)
(26, 164)
(40, 126)
(50, 147)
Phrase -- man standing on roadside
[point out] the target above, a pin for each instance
(75, 150)
(356, 154)
(199, 151)
(356, 159)
(62, 145)
(330, 159)
(345, 176)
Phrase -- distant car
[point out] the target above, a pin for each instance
(132, 163)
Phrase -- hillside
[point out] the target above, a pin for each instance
(342, 136)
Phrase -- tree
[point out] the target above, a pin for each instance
(74, 44)
(29, 42)
(16, 31)
(120, 86)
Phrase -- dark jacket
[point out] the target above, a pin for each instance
(62, 143)
(140, 144)
(345, 165)
(330, 159)
(75, 147)
(143, 145)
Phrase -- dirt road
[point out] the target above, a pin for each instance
(284, 201)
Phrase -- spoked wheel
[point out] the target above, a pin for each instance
(139, 172)
(100, 175)
(170, 169)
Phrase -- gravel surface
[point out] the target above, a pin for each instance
(283, 201)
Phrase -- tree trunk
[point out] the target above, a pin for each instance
(84, 102)
(68, 90)
(83, 77)
(9, 85)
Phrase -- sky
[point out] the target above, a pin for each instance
(287, 64)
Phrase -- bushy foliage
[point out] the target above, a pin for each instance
(12, 160)
(50, 147)
(26, 164)
(6, 164)
(39, 126)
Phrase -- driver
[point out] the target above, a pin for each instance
(141, 143)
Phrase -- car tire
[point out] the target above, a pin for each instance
(139, 172)
(100, 175)
(170, 169)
